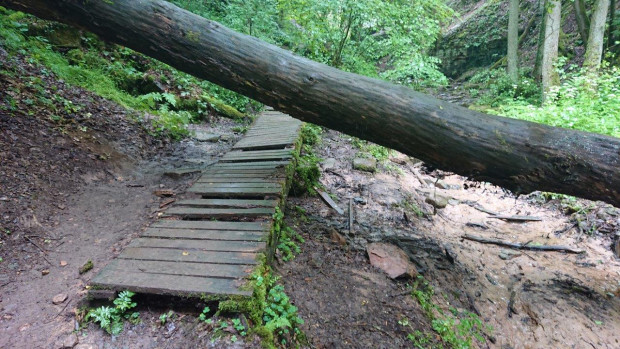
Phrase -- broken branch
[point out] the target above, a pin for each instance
(518, 246)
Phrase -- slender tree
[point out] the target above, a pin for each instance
(550, 47)
(513, 41)
(583, 22)
(611, 30)
(594, 50)
(541, 40)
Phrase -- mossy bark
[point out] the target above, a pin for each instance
(518, 155)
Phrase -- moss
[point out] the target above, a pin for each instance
(224, 108)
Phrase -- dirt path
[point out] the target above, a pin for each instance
(532, 299)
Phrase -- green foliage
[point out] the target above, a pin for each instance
(280, 315)
(457, 329)
(307, 173)
(583, 102)
(499, 88)
(111, 318)
(379, 152)
(204, 315)
(311, 134)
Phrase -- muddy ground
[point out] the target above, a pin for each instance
(81, 189)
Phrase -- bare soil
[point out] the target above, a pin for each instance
(532, 299)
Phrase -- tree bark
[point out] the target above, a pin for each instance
(594, 50)
(611, 29)
(518, 155)
(512, 56)
(583, 23)
(553, 13)
(541, 41)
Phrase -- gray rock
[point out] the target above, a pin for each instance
(365, 164)
(69, 341)
(438, 201)
(508, 254)
(442, 184)
(360, 201)
(328, 164)
(59, 298)
(206, 137)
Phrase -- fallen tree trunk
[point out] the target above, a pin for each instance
(518, 155)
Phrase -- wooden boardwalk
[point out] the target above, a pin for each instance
(210, 244)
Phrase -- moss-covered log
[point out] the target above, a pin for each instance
(518, 155)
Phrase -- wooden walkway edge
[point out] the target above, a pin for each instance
(210, 245)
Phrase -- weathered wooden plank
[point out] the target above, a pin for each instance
(168, 284)
(261, 152)
(262, 184)
(251, 165)
(232, 203)
(256, 159)
(237, 192)
(212, 225)
(228, 271)
(191, 245)
(194, 256)
(196, 234)
(206, 213)
(242, 179)
(250, 146)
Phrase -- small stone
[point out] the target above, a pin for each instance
(391, 259)
(4, 198)
(454, 202)
(69, 341)
(337, 237)
(206, 137)
(59, 298)
(86, 346)
(365, 164)
(359, 200)
(508, 254)
(63, 263)
(328, 164)
(442, 184)
(45, 271)
(438, 201)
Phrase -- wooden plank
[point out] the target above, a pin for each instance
(232, 203)
(263, 184)
(196, 234)
(192, 245)
(329, 201)
(244, 179)
(168, 284)
(261, 152)
(228, 271)
(206, 213)
(212, 225)
(234, 192)
(252, 165)
(256, 159)
(194, 256)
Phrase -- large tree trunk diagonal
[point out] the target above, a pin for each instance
(517, 155)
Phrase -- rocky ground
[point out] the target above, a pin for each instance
(80, 185)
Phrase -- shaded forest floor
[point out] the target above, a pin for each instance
(79, 188)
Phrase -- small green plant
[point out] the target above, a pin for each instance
(279, 314)
(457, 329)
(287, 238)
(239, 327)
(111, 318)
(204, 315)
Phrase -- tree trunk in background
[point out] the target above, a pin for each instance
(594, 50)
(518, 155)
(541, 41)
(550, 47)
(513, 41)
(583, 22)
(611, 41)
